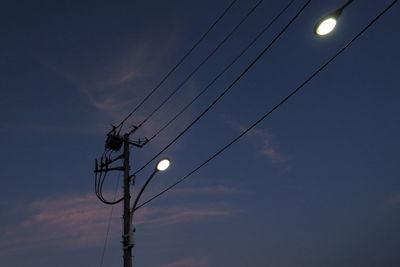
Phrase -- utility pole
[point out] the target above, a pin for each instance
(114, 142)
(126, 237)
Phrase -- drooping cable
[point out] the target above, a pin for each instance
(99, 193)
(312, 76)
(178, 64)
(249, 66)
(99, 182)
(219, 45)
(109, 223)
(267, 26)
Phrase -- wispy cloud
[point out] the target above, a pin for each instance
(267, 148)
(109, 90)
(80, 221)
(114, 90)
(183, 213)
(114, 81)
(65, 222)
(394, 200)
(266, 139)
(188, 262)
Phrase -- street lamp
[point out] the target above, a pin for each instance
(326, 25)
(161, 166)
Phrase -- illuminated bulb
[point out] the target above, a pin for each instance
(163, 164)
(326, 26)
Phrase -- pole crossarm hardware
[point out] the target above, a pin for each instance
(115, 142)
(139, 143)
(110, 169)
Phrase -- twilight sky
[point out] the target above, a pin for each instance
(316, 184)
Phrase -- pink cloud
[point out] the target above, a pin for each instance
(184, 213)
(123, 78)
(267, 145)
(394, 200)
(81, 221)
(66, 222)
(114, 92)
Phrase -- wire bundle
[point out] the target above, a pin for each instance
(100, 178)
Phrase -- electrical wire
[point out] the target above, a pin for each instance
(267, 26)
(252, 63)
(177, 64)
(201, 64)
(109, 222)
(312, 76)
(99, 182)
(98, 177)
(99, 193)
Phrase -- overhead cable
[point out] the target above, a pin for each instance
(103, 252)
(315, 73)
(267, 26)
(200, 65)
(99, 182)
(228, 88)
(177, 64)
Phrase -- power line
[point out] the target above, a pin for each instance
(99, 190)
(99, 182)
(109, 223)
(177, 64)
(267, 26)
(315, 73)
(200, 65)
(229, 87)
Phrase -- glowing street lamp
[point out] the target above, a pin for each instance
(328, 23)
(163, 164)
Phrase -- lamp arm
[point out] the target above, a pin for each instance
(141, 192)
(347, 4)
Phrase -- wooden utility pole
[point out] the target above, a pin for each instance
(126, 237)
(114, 142)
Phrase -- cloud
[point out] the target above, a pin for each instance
(188, 262)
(67, 222)
(126, 78)
(109, 92)
(114, 81)
(265, 138)
(183, 213)
(81, 221)
(394, 200)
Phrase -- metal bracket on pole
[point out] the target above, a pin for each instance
(115, 142)
(110, 169)
(139, 143)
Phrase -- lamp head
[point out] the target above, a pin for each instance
(163, 164)
(328, 23)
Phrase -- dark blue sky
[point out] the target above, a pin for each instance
(316, 184)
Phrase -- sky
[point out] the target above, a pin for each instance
(317, 183)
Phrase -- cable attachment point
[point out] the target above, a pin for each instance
(139, 143)
(134, 128)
